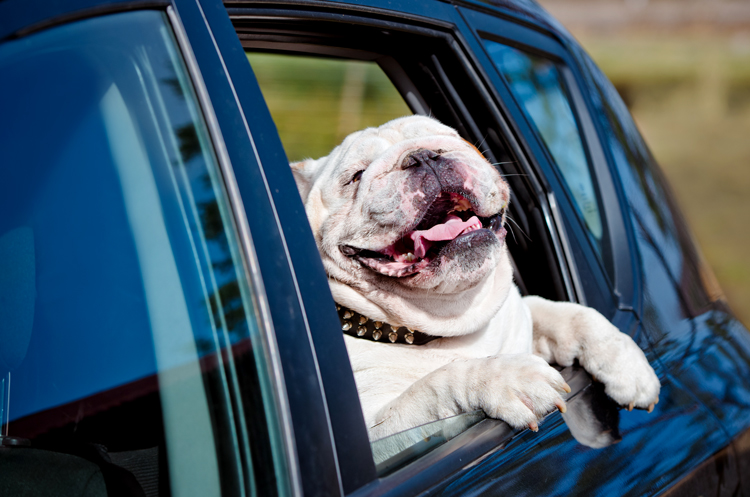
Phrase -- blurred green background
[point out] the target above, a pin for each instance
(317, 102)
(683, 68)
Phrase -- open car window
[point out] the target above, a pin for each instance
(310, 72)
(315, 103)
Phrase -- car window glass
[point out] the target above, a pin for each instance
(132, 356)
(394, 451)
(316, 102)
(538, 85)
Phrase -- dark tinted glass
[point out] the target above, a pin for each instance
(134, 357)
(538, 85)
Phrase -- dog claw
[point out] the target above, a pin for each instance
(533, 426)
(630, 406)
(567, 388)
(650, 408)
(561, 406)
(656, 401)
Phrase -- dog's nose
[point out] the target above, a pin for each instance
(419, 158)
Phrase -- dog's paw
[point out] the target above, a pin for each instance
(565, 332)
(622, 367)
(520, 390)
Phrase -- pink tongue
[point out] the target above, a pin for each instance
(450, 229)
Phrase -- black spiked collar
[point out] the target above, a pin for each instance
(359, 326)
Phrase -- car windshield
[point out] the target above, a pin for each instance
(131, 351)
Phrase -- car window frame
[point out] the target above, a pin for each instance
(247, 253)
(255, 153)
(538, 40)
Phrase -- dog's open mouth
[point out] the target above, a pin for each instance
(449, 218)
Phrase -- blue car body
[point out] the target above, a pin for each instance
(644, 272)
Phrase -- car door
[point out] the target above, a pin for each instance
(258, 27)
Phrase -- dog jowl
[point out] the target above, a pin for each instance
(410, 222)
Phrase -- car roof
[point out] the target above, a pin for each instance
(19, 17)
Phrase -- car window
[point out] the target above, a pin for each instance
(132, 356)
(537, 83)
(316, 102)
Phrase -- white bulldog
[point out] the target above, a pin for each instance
(409, 219)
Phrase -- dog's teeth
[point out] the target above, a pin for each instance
(471, 228)
(410, 257)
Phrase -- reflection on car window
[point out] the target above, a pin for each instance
(136, 360)
(394, 451)
(538, 85)
(316, 102)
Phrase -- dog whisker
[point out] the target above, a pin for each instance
(519, 228)
(480, 144)
(510, 228)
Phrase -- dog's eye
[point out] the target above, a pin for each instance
(356, 177)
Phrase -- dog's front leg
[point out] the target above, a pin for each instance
(564, 332)
(520, 389)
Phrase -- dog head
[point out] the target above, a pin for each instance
(409, 221)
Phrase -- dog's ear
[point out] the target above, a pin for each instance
(302, 172)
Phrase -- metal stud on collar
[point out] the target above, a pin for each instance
(369, 329)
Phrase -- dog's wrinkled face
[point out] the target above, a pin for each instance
(406, 209)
